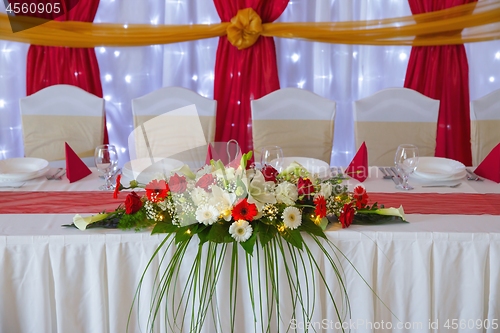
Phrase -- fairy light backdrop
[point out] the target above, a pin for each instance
(343, 73)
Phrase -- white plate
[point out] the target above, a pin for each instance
(144, 171)
(22, 168)
(314, 166)
(438, 168)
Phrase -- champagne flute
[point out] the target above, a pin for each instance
(106, 159)
(406, 161)
(273, 156)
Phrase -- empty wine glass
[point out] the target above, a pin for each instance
(106, 159)
(273, 156)
(406, 161)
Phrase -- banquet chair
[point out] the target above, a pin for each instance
(394, 116)
(172, 105)
(58, 114)
(485, 122)
(297, 120)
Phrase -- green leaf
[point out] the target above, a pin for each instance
(293, 237)
(203, 234)
(310, 227)
(249, 244)
(164, 227)
(219, 233)
(266, 233)
(376, 219)
(183, 233)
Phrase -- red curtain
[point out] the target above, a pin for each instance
(47, 65)
(442, 72)
(241, 76)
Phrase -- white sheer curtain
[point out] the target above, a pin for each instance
(343, 73)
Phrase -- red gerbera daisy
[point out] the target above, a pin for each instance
(157, 191)
(360, 196)
(118, 186)
(320, 209)
(346, 215)
(244, 211)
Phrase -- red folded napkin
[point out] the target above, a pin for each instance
(75, 168)
(358, 168)
(490, 166)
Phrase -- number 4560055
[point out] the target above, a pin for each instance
(34, 8)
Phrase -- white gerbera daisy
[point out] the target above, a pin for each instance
(240, 230)
(207, 214)
(292, 217)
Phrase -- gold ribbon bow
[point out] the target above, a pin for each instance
(244, 29)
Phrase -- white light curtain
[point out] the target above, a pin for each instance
(343, 73)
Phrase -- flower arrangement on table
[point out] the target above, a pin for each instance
(230, 204)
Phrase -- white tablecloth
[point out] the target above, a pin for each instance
(435, 273)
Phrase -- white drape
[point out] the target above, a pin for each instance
(343, 73)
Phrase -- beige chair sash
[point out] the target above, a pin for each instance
(485, 135)
(44, 136)
(278, 133)
(383, 138)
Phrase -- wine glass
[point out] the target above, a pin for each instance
(406, 161)
(273, 156)
(106, 159)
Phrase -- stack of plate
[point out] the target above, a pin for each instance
(314, 166)
(22, 168)
(438, 169)
(144, 170)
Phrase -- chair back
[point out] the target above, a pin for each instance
(171, 98)
(297, 120)
(58, 114)
(153, 114)
(485, 124)
(394, 116)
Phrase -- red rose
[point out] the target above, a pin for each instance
(347, 215)
(360, 196)
(132, 203)
(269, 173)
(205, 181)
(157, 190)
(177, 183)
(320, 204)
(305, 186)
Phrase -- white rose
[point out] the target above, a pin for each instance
(325, 190)
(287, 193)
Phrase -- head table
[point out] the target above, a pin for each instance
(437, 273)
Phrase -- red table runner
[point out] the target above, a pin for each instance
(95, 202)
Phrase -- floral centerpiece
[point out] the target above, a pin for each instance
(232, 205)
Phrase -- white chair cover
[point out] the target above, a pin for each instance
(58, 114)
(297, 120)
(485, 125)
(171, 119)
(394, 116)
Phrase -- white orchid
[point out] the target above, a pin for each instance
(223, 201)
(259, 191)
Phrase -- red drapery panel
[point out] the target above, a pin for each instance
(442, 72)
(241, 76)
(47, 65)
